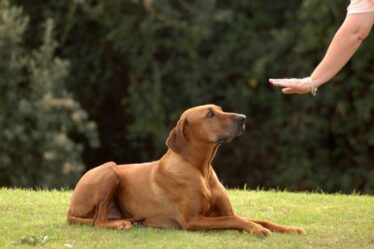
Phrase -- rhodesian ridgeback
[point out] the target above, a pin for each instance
(180, 190)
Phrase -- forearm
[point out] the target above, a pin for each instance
(344, 44)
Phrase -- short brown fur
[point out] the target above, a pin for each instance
(180, 190)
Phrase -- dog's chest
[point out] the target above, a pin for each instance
(197, 197)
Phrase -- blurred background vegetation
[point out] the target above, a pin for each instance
(84, 81)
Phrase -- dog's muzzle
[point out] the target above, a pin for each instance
(237, 128)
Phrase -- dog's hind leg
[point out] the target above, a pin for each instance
(118, 224)
(92, 199)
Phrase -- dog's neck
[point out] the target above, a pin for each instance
(203, 155)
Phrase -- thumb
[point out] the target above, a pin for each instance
(288, 90)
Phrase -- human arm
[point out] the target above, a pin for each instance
(345, 43)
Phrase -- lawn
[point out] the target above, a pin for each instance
(36, 219)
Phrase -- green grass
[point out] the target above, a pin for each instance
(36, 219)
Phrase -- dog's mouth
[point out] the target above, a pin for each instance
(242, 129)
(222, 140)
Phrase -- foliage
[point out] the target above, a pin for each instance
(39, 117)
(137, 64)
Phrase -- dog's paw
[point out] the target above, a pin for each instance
(263, 232)
(260, 231)
(297, 231)
(300, 231)
(124, 225)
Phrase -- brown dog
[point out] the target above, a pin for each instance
(180, 190)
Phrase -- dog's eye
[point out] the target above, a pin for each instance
(210, 114)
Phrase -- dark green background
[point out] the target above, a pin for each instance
(134, 66)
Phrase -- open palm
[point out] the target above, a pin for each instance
(293, 86)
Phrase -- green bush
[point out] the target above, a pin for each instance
(39, 117)
(136, 65)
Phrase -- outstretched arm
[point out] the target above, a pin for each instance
(345, 43)
(347, 40)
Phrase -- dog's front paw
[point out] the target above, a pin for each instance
(263, 232)
(297, 231)
(260, 231)
(300, 231)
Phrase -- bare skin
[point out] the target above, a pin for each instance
(354, 30)
(180, 190)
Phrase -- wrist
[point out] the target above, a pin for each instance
(317, 82)
(313, 88)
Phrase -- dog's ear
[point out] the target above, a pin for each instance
(177, 140)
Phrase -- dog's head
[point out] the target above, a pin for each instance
(205, 124)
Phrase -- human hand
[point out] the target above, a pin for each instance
(298, 86)
(371, 2)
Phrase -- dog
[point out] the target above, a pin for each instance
(181, 190)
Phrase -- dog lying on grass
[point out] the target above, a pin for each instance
(180, 190)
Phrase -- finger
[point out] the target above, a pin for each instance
(289, 90)
(276, 81)
(286, 80)
(282, 82)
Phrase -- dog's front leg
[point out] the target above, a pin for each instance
(279, 228)
(226, 222)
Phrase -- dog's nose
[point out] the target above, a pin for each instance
(241, 118)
